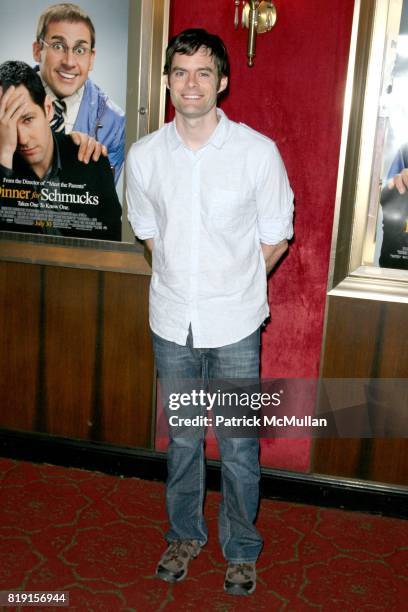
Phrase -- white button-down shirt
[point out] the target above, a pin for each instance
(208, 211)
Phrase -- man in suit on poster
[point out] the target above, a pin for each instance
(44, 188)
(394, 214)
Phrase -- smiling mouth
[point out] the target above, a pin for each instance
(28, 151)
(191, 97)
(66, 75)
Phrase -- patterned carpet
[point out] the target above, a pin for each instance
(99, 537)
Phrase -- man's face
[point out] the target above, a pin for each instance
(65, 73)
(34, 137)
(193, 83)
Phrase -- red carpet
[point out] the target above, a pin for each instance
(99, 537)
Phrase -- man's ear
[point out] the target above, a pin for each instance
(91, 63)
(37, 51)
(223, 84)
(48, 108)
(166, 81)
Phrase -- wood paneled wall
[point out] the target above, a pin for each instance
(365, 339)
(76, 361)
(75, 355)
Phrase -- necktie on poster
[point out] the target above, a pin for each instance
(58, 122)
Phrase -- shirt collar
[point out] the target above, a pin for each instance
(56, 165)
(75, 98)
(217, 138)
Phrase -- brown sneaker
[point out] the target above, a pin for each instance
(173, 565)
(240, 578)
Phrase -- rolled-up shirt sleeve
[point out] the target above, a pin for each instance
(140, 210)
(274, 199)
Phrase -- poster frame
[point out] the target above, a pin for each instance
(349, 275)
(145, 103)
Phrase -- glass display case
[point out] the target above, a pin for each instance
(370, 237)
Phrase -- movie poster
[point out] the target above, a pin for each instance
(392, 228)
(70, 198)
(394, 247)
(86, 208)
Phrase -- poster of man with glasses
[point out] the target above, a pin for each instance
(391, 250)
(59, 41)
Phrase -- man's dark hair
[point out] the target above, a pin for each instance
(19, 73)
(190, 41)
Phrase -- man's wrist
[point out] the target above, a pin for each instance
(6, 158)
(149, 244)
(272, 253)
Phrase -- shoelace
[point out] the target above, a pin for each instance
(241, 568)
(175, 547)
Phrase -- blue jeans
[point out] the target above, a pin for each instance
(240, 472)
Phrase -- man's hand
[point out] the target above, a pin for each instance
(400, 181)
(12, 106)
(88, 147)
(272, 253)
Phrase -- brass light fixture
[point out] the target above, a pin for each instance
(259, 17)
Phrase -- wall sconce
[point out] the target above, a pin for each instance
(259, 17)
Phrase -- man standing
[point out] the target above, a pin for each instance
(212, 200)
(44, 188)
(65, 51)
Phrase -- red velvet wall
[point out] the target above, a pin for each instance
(293, 94)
